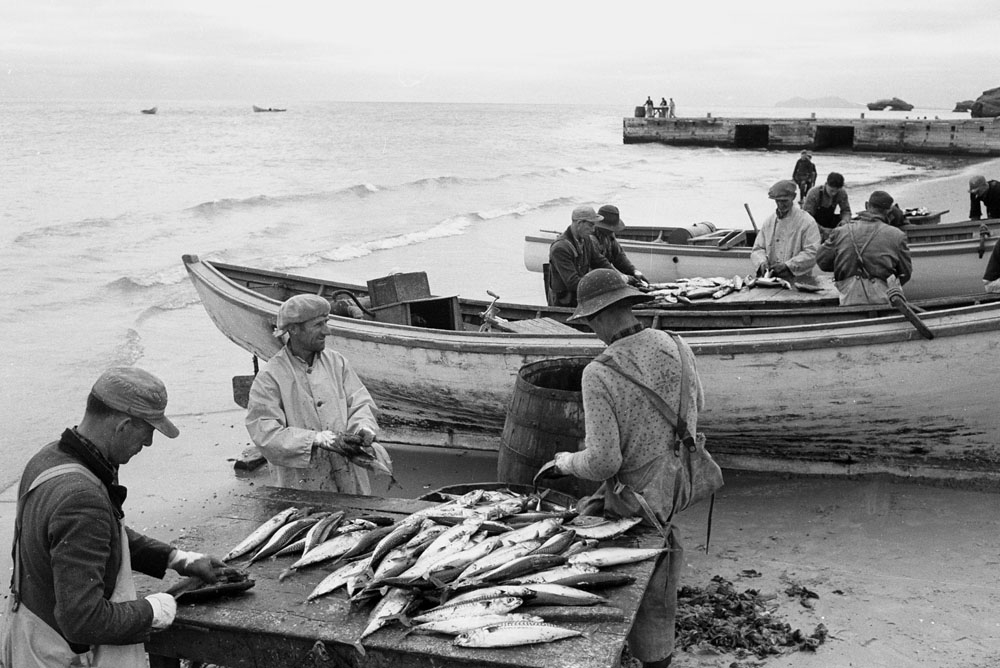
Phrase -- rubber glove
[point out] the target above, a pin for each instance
(342, 443)
(197, 564)
(367, 436)
(164, 609)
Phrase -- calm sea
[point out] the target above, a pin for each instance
(100, 202)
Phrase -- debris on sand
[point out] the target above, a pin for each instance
(718, 619)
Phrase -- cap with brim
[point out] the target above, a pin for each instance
(136, 393)
(300, 308)
(783, 189)
(586, 214)
(612, 220)
(600, 289)
(976, 182)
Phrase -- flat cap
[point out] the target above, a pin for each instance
(783, 188)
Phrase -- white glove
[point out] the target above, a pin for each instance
(342, 443)
(164, 609)
(182, 560)
(561, 460)
(325, 439)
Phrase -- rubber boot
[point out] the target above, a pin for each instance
(662, 663)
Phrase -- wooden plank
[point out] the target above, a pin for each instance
(539, 326)
(273, 625)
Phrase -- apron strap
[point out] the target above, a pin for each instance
(44, 476)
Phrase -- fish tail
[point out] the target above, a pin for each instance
(359, 647)
(285, 573)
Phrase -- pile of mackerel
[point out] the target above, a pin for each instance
(470, 567)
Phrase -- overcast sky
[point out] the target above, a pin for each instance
(726, 52)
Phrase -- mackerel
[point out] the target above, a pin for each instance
(529, 563)
(322, 530)
(456, 535)
(391, 607)
(329, 549)
(606, 530)
(596, 580)
(553, 594)
(497, 558)
(402, 532)
(336, 579)
(282, 537)
(521, 592)
(512, 634)
(603, 557)
(454, 627)
(553, 574)
(557, 543)
(488, 606)
(259, 535)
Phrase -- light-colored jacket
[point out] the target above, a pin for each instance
(290, 402)
(793, 240)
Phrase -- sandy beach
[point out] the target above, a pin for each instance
(906, 574)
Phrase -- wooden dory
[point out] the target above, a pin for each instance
(947, 257)
(858, 396)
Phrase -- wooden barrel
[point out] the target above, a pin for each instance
(640, 112)
(545, 416)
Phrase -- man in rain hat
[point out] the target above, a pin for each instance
(605, 230)
(73, 599)
(630, 439)
(572, 255)
(308, 411)
(804, 174)
(985, 192)
(787, 242)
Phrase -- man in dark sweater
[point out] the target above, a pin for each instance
(72, 592)
(572, 255)
(985, 192)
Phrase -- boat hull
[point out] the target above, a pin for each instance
(944, 264)
(865, 396)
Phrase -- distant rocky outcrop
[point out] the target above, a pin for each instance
(963, 106)
(987, 105)
(820, 103)
(893, 104)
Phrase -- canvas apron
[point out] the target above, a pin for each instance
(28, 642)
(862, 288)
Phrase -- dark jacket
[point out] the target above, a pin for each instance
(70, 550)
(991, 198)
(569, 260)
(612, 251)
(885, 255)
(804, 170)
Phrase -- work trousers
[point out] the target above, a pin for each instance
(652, 635)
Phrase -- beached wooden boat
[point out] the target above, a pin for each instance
(859, 396)
(259, 109)
(948, 258)
(150, 111)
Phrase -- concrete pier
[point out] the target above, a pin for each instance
(977, 136)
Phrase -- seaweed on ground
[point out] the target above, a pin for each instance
(722, 618)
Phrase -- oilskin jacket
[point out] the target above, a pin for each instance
(70, 550)
(570, 258)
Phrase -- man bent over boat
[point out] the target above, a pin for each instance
(308, 411)
(572, 255)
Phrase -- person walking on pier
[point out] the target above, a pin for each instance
(308, 412)
(867, 255)
(828, 204)
(985, 192)
(671, 108)
(787, 242)
(73, 599)
(804, 174)
(641, 399)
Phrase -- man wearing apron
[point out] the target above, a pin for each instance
(72, 599)
(828, 204)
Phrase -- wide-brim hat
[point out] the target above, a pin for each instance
(136, 393)
(600, 289)
(612, 220)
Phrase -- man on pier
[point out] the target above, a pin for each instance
(308, 412)
(985, 192)
(868, 255)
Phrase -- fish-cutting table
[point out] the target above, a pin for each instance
(273, 626)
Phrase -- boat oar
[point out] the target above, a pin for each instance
(897, 299)
(752, 221)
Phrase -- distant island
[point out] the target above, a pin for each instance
(819, 102)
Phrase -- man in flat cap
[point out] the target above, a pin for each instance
(73, 599)
(828, 204)
(641, 399)
(308, 412)
(786, 244)
(867, 255)
(985, 192)
(572, 255)
(605, 230)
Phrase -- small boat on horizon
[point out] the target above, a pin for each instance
(150, 111)
(256, 108)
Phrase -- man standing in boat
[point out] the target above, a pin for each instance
(828, 204)
(308, 412)
(868, 255)
(572, 255)
(985, 192)
(787, 242)
(604, 233)
(641, 397)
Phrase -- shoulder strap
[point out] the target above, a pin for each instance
(44, 476)
(858, 251)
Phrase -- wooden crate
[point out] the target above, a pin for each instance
(397, 288)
